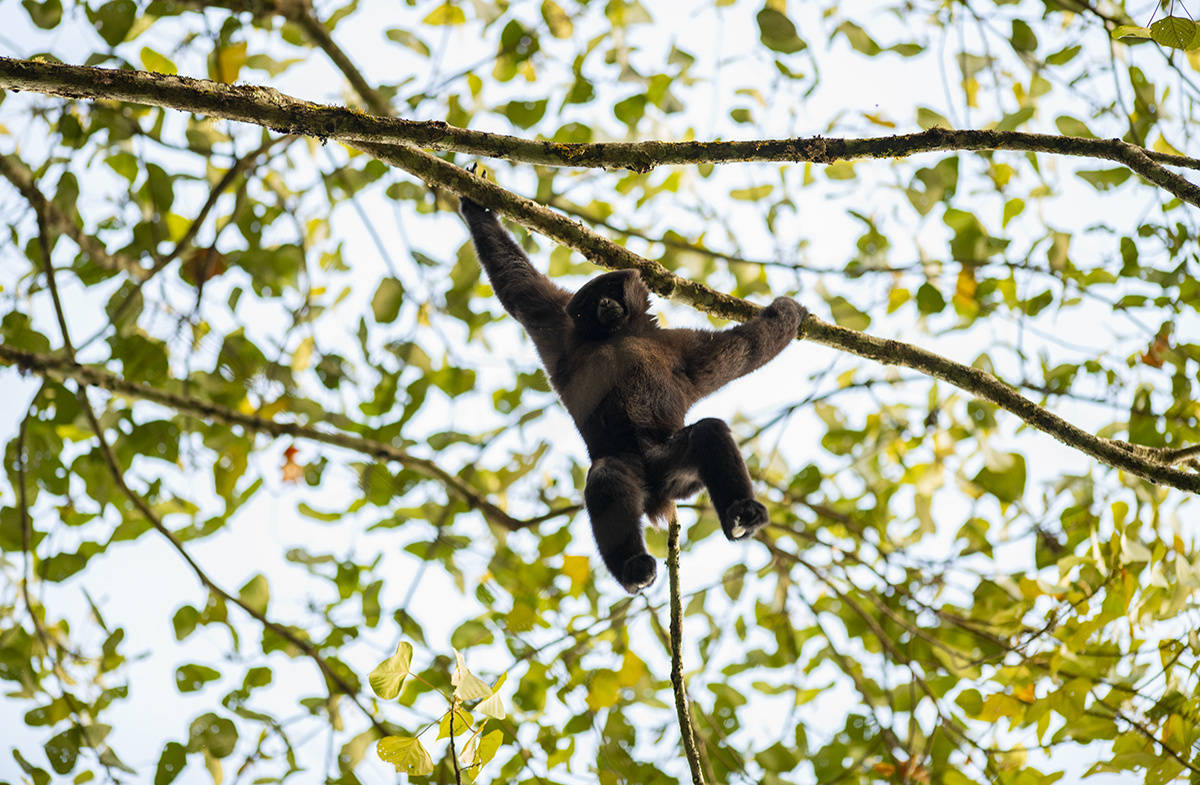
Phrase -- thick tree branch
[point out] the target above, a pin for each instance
(269, 107)
(59, 368)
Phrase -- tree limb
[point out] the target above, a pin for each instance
(269, 107)
(58, 368)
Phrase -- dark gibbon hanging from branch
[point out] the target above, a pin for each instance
(628, 384)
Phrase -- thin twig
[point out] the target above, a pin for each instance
(681, 700)
(453, 752)
(18, 173)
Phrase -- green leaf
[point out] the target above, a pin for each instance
(1130, 33)
(1023, 38)
(858, 38)
(171, 763)
(389, 675)
(1064, 55)
(927, 118)
(212, 734)
(192, 678)
(45, 15)
(114, 19)
(471, 632)
(929, 299)
(1012, 208)
(603, 689)
(62, 750)
(1069, 126)
(406, 754)
(488, 746)
(408, 39)
(1104, 179)
(256, 593)
(525, 114)
(777, 32)
(846, 315)
(1006, 481)
(631, 109)
(1174, 31)
(385, 305)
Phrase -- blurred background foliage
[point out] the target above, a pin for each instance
(943, 596)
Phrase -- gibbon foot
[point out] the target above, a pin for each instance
(638, 572)
(743, 519)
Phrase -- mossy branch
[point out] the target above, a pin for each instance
(273, 109)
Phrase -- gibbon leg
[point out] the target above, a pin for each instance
(615, 497)
(708, 448)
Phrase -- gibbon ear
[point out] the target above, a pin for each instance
(637, 294)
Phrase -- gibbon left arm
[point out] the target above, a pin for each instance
(713, 359)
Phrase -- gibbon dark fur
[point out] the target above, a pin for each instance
(628, 383)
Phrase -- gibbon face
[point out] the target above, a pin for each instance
(608, 303)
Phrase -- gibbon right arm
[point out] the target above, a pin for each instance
(532, 298)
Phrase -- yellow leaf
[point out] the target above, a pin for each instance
(1025, 694)
(576, 568)
(213, 764)
(153, 61)
(971, 88)
(446, 15)
(1161, 145)
(229, 62)
(302, 357)
(468, 686)
(603, 689)
(556, 19)
(462, 722)
(467, 755)
(632, 670)
(879, 119)
(406, 754)
(492, 706)
(389, 675)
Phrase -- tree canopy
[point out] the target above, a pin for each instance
(289, 498)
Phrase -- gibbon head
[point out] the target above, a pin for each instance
(610, 303)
